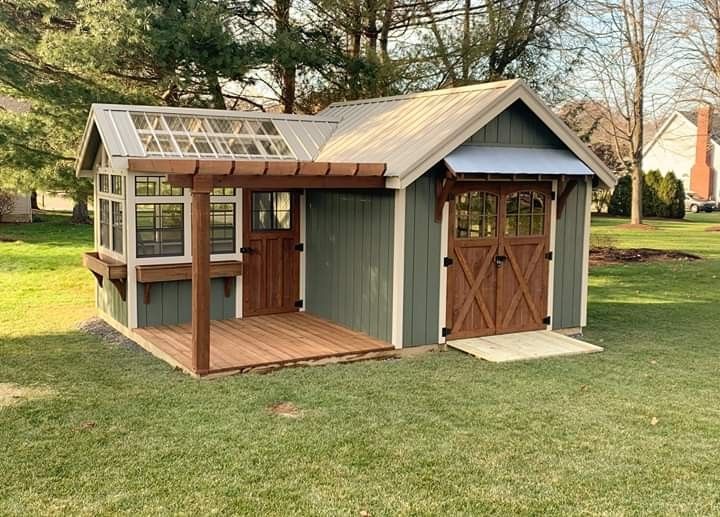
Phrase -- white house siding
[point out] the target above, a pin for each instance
(674, 150)
(21, 212)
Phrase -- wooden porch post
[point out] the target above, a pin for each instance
(200, 235)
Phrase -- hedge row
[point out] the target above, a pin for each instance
(663, 196)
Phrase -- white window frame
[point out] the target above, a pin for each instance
(110, 197)
(186, 201)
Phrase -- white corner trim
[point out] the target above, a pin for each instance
(398, 269)
(586, 255)
(130, 250)
(303, 254)
(551, 263)
(442, 308)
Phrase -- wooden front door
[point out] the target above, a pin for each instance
(271, 262)
(498, 243)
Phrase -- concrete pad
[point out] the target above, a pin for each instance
(521, 346)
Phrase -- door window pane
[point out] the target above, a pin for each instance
(525, 214)
(271, 211)
(475, 215)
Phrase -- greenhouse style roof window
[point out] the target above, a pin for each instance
(163, 134)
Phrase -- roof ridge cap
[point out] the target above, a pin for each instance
(494, 85)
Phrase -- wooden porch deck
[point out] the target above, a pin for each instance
(261, 343)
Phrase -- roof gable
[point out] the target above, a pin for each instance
(414, 132)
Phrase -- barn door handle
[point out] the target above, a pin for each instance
(500, 260)
(245, 250)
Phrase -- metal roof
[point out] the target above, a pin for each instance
(163, 132)
(409, 133)
(402, 129)
(474, 159)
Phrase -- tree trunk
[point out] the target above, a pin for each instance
(286, 72)
(636, 199)
(80, 214)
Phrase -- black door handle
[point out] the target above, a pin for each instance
(500, 260)
(245, 250)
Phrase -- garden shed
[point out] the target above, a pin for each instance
(228, 241)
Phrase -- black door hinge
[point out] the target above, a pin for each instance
(546, 320)
(549, 255)
(299, 304)
(447, 261)
(446, 331)
(300, 247)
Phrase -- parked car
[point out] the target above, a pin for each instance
(695, 203)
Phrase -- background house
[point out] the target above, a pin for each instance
(687, 144)
(21, 211)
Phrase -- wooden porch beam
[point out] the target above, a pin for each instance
(200, 234)
(362, 182)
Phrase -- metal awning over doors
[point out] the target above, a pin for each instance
(482, 159)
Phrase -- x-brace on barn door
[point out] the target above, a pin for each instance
(498, 246)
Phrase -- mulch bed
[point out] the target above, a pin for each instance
(605, 256)
(712, 229)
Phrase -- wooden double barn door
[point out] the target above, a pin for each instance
(271, 258)
(499, 237)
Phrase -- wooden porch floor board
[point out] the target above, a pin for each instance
(258, 341)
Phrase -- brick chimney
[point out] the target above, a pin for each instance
(701, 174)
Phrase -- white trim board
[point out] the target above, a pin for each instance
(442, 299)
(586, 255)
(551, 263)
(398, 269)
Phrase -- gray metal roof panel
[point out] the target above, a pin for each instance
(481, 159)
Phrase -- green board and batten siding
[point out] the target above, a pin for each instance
(517, 126)
(171, 303)
(568, 258)
(421, 286)
(109, 301)
(349, 258)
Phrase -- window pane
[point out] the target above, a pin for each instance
(155, 186)
(282, 220)
(159, 229)
(116, 186)
(117, 227)
(223, 191)
(538, 224)
(262, 201)
(105, 223)
(261, 220)
(524, 224)
(166, 144)
(524, 202)
(511, 225)
(222, 227)
(103, 185)
(282, 200)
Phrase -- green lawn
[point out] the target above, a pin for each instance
(120, 432)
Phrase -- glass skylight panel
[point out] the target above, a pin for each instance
(215, 137)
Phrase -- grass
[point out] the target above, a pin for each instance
(633, 430)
